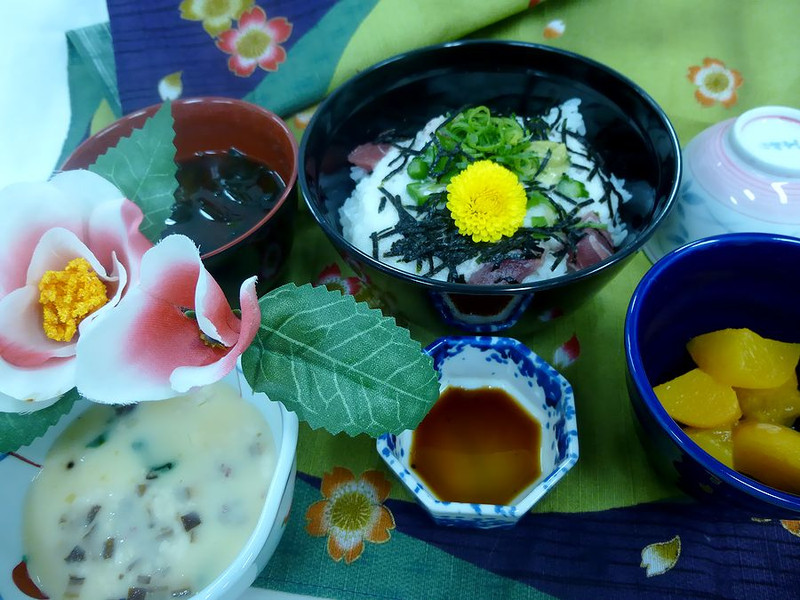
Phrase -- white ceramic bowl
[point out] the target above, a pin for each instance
(18, 470)
(740, 175)
(476, 362)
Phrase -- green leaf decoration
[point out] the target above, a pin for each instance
(20, 429)
(660, 557)
(339, 364)
(143, 167)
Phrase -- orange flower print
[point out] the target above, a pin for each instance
(216, 15)
(792, 527)
(715, 83)
(351, 512)
(300, 120)
(256, 42)
(554, 29)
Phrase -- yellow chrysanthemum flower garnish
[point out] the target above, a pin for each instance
(486, 201)
(69, 296)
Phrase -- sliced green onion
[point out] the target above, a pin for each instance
(418, 168)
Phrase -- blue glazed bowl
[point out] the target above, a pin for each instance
(734, 280)
(475, 362)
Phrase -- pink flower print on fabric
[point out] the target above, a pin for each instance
(567, 353)
(255, 43)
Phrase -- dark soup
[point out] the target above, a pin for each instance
(220, 196)
(477, 446)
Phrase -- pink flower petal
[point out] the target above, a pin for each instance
(255, 17)
(214, 315)
(170, 273)
(274, 56)
(23, 342)
(241, 66)
(52, 378)
(40, 207)
(88, 189)
(114, 235)
(279, 29)
(55, 249)
(227, 41)
(147, 348)
(130, 355)
(184, 378)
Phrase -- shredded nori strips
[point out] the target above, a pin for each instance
(90, 516)
(77, 554)
(154, 472)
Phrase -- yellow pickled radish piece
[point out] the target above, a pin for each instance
(698, 400)
(769, 453)
(717, 442)
(742, 358)
(779, 405)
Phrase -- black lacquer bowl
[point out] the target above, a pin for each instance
(629, 131)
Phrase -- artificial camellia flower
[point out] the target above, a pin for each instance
(216, 15)
(255, 43)
(172, 332)
(352, 512)
(486, 201)
(715, 83)
(70, 249)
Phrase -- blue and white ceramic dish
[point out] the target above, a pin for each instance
(733, 280)
(474, 362)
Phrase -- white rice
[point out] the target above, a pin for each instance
(361, 215)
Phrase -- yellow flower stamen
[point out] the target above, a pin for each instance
(211, 343)
(351, 511)
(68, 297)
(486, 201)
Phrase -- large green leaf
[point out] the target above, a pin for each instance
(143, 167)
(339, 364)
(20, 429)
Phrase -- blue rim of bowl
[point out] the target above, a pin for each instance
(496, 289)
(729, 476)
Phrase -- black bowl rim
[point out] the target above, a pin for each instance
(738, 481)
(494, 289)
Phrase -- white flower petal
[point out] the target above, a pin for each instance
(40, 207)
(12, 405)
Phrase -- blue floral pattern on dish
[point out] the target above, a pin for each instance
(502, 318)
(476, 361)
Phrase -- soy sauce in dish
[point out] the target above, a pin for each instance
(477, 446)
(220, 196)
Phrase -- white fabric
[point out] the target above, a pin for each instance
(34, 105)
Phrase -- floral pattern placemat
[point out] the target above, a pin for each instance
(612, 528)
